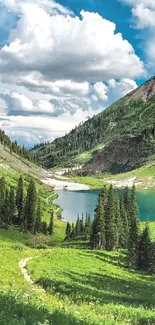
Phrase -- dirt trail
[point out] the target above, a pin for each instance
(23, 268)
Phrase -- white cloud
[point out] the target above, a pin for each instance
(121, 88)
(145, 17)
(55, 68)
(48, 5)
(101, 91)
(60, 47)
(35, 83)
(17, 104)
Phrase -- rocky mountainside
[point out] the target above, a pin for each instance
(125, 131)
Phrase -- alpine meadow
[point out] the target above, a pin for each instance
(77, 162)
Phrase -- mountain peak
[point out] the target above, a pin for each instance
(144, 92)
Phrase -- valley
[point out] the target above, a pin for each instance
(49, 274)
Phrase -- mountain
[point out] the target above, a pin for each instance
(16, 160)
(120, 138)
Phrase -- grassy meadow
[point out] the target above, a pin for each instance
(82, 286)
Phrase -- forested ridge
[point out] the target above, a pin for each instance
(14, 147)
(130, 117)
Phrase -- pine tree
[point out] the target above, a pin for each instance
(30, 207)
(73, 231)
(44, 227)
(77, 227)
(51, 225)
(88, 226)
(82, 226)
(12, 207)
(144, 256)
(124, 227)
(127, 202)
(98, 236)
(133, 230)
(111, 227)
(6, 213)
(117, 212)
(38, 217)
(68, 231)
(20, 200)
(2, 197)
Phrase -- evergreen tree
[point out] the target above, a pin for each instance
(88, 226)
(30, 207)
(117, 212)
(44, 227)
(144, 256)
(124, 227)
(82, 226)
(73, 231)
(127, 202)
(77, 227)
(111, 227)
(133, 230)
(6, 214)
(51, 225)
(20, 200)
(68, 231)
(2, 197)
(38, 217)
(12, 207)
(98, 236)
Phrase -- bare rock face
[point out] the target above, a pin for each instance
(145, 92)
(122, 155)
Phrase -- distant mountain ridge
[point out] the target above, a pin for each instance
(122, 130)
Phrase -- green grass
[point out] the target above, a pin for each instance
(86, 156)
(96, 286)
(93, 182)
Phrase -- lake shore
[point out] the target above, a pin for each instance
(123, 183)
(64, 185)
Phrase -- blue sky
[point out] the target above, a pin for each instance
(61, 62)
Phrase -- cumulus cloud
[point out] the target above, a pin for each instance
(36, 83)
(70, 48)
(143, 15)
(122, 87)
(60, 68)
(48, 5)
(17, 104)
(100, 91)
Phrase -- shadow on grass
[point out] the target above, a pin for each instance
(15, 311)
(116, 260)
(103, 288)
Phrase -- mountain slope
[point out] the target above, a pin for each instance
(125, 127)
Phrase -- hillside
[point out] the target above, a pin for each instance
(125, 127)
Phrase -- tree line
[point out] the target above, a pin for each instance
(22, 210)
(116, 226)
(14, 147)
(82, 228)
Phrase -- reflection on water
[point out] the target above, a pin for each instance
(74, 203)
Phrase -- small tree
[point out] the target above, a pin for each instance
(20, 200)
(12, 206)
(38, 217)
(124, 227)
(111, 227)
(30, 207)
(51, 225)
(68, 231)
(144, 254)
(134, 230)
(98, 235)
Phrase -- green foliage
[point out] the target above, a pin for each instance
(127, 118)
(95, 286)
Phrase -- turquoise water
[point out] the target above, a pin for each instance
(74, 203)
